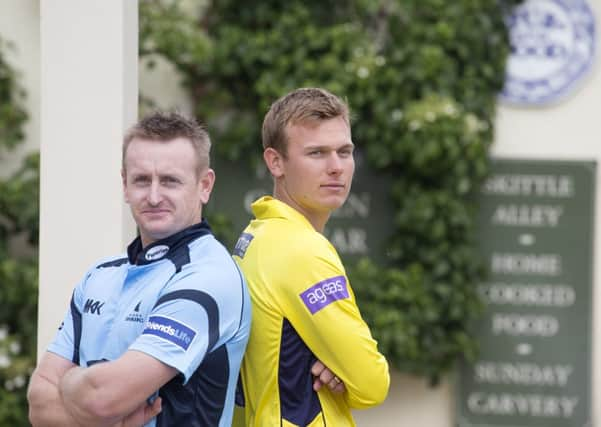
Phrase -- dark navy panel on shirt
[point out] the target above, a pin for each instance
(206, 389)
(299, 403)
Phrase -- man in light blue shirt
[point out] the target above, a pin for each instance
(153, 337)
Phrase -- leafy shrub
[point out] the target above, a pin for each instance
(19, 197)
(421, 77)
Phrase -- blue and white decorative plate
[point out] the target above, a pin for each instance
(553, 46)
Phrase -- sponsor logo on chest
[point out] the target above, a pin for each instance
(156, 252)
(93, 307)
(135, 315)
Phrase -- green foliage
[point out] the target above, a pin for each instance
(421, 77)
(11, 115)
(19, 195)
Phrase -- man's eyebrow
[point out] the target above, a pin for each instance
(329, 147)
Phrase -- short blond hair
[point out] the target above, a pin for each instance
(165, 126)
(301, 106)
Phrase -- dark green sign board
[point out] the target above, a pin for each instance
(359, 228)
(536, 235)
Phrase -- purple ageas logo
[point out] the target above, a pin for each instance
(324, 293)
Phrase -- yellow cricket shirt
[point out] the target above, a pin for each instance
(303, 310)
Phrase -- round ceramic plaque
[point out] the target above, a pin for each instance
(552, 47)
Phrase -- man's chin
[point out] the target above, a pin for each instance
(157, 233)
(334, 203)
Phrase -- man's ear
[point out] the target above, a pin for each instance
(207, 181)
(274, 162)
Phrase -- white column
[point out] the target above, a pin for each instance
(89, 95)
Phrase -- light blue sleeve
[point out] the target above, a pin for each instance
(198, 310)
(66, 340)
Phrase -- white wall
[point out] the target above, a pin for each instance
(411, 402)
(162, 85)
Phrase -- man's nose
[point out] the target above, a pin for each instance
(334, 164)
(154, 193)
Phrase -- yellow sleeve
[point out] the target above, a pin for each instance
(320, 304)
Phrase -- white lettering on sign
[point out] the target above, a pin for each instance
(524, 325)
(519, 294)
(349, 240)
(530, 185)
(534, 405)
(527, 215)
(522, 374)
(543, 264)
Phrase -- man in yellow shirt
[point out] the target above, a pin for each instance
(304, 310)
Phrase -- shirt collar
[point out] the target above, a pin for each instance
(268, 207)
(167, 247)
